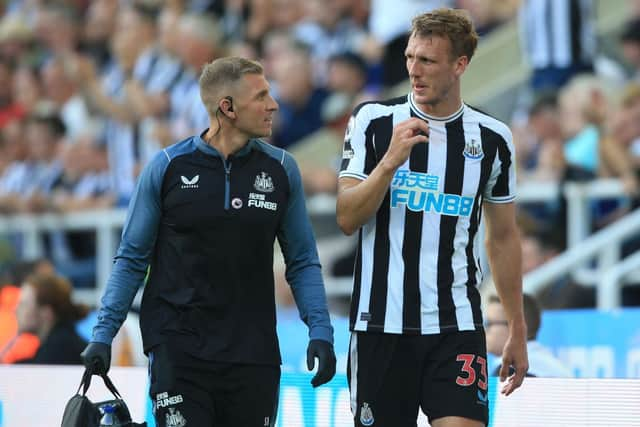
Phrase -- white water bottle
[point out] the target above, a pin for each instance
(108, 417)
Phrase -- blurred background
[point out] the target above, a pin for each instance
(90, 90)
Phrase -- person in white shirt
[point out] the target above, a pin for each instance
(542, 363)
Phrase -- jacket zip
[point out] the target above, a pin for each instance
(227, 183)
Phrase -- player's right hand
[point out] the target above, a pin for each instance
(405, 135)
(97, 358)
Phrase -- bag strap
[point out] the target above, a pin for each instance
(86, 382)
(112, 388)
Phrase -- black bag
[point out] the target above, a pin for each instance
(81, 412)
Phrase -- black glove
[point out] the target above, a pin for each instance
(97, 358)
(323, 350)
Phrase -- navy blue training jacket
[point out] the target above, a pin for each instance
(207, 228)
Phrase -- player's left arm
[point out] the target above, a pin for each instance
(505, 257)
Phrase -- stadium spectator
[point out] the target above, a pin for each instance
(199, 38)
(15, 38)
(542, 363)
(299, 98)
(157, 71)
(14, 165)
(558, 40)
(45, 309)
(390, 32)
(537, 249)
(83, 185)
(16, 345)
(319, 153)
(62, 90)
(57, 28)
(630, 47)
(107, 94)
(347, 74)
(487, 15)
(624, 131)
(27, 184)
(13, 346)
(9, 109)
(27, 88)
(99, 26)
(328, 30)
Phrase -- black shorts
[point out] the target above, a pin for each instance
(392, 376)
(192, 392)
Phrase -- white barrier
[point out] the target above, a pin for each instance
(34, 396)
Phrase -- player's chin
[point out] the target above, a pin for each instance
(422, 98)
(263, 133)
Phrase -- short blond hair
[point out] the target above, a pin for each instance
(454, 24)
(219, 76)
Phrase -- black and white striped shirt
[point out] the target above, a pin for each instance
(417, 266)
(558, 33)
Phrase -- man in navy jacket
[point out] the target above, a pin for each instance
(203, 220)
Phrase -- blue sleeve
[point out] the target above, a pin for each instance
(136, 247)
(301, 258)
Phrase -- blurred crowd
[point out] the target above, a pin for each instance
(580, 121)
(90, 90)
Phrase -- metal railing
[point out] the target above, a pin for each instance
(605, 244)
(107, 224)
(609, 295)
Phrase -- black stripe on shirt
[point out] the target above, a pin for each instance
(575, 29)
(379, 130)
(411, 319)
(501, 187)
(357, 284)
(453, 180)
(489, 147)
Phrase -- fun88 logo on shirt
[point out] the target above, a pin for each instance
(419, 192)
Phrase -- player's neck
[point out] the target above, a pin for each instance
(225, 141)
(447, 105)
(444, 108)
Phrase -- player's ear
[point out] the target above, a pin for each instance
(226, 106)
(461, 65)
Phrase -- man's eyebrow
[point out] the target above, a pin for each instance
(262, 93)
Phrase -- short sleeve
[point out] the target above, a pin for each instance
(501, 186)
(354, 153)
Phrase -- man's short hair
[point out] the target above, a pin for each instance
(631, 32)
(352, 59)
(454, 24)
(220, 75)
(204, 28)
(146, 11)
(546, 100)
(532, 315)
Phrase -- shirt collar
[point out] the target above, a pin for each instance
(425, 116)
(208, 149)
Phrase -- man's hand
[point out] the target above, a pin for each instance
(515, 355)
(97, 358)
(323, 350)
(405, 135)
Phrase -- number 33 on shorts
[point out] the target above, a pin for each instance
(469, 373)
